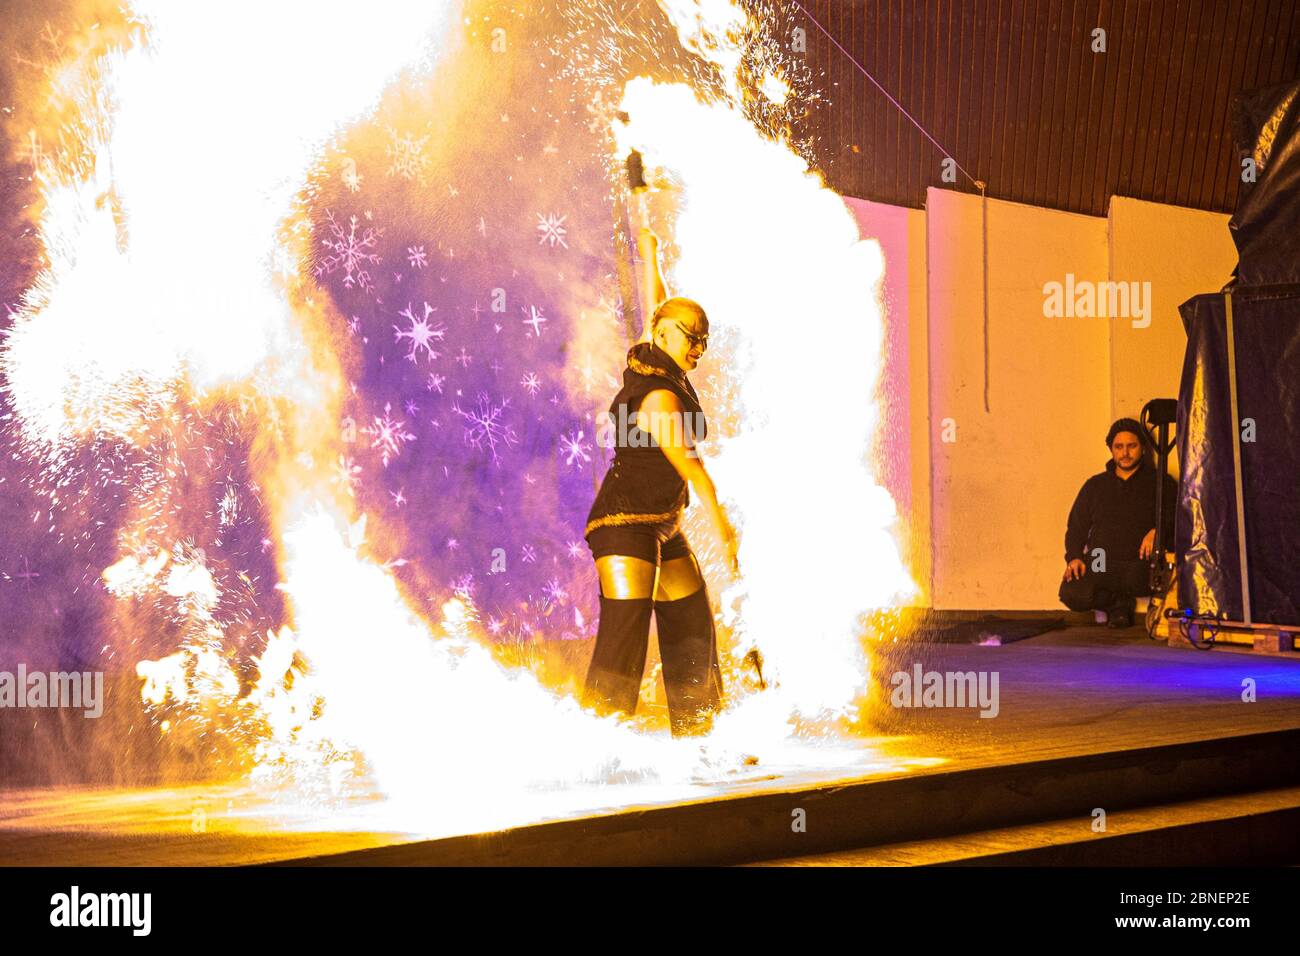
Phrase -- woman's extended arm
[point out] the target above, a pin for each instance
(653, 290)
(662, 416)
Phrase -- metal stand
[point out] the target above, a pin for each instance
(1159, 414)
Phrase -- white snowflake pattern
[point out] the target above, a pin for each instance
(551, 229)
(495, 624)
(351, 178)
(535, 319)
(484, 426)
(575, 549)
(346, 473)
(388, 435)
(422, 333)
(435, 382)
(416, 256)
(350, 251)
(531, 383)
(406, 155)
(574, 448)
(554, 593)
(528, 554)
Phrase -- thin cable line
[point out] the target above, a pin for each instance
(984, 237)
(979, 184)
(889, 96)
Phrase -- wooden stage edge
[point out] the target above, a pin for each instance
(1186, 751)
(758, 827)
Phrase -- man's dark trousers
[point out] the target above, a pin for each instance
(1112, 590)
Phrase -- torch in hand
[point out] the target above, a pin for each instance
(650, 287)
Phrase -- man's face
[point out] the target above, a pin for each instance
(1126, 449)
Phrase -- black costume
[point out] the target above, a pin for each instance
(1114, 514)
(637, 512)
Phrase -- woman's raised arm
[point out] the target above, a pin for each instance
(653, 291)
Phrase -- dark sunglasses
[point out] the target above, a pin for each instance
(701, 340)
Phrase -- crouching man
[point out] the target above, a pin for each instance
(1110, 534)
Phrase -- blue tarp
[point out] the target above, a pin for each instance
(1265, 437)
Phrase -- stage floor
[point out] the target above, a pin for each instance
(1067, 693)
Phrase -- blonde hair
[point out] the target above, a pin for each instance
(677, 307)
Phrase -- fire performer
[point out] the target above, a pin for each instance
(643, 560)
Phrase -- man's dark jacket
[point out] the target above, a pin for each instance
(1115, 514)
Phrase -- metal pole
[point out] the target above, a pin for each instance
(1236, 461)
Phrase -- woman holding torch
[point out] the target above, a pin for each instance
(643, 561)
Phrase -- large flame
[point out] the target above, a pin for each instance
(176, 276)
(163, 261)
(793, 297)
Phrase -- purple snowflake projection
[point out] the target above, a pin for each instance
(534, 320)
(353, 253)
(485, 427)
(421, 333)
(554, 593)
(388, 434)
(406, 155)
(551, 230)
(26, 575)
(351, 178)
(574, 449)
(346, 474)
(485, 445)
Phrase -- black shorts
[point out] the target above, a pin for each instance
(655, 543)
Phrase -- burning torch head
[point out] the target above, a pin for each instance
(634, 163)
(635, 172)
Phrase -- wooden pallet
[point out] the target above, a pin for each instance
(1262, 639)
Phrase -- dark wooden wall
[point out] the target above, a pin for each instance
(1013, 91)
